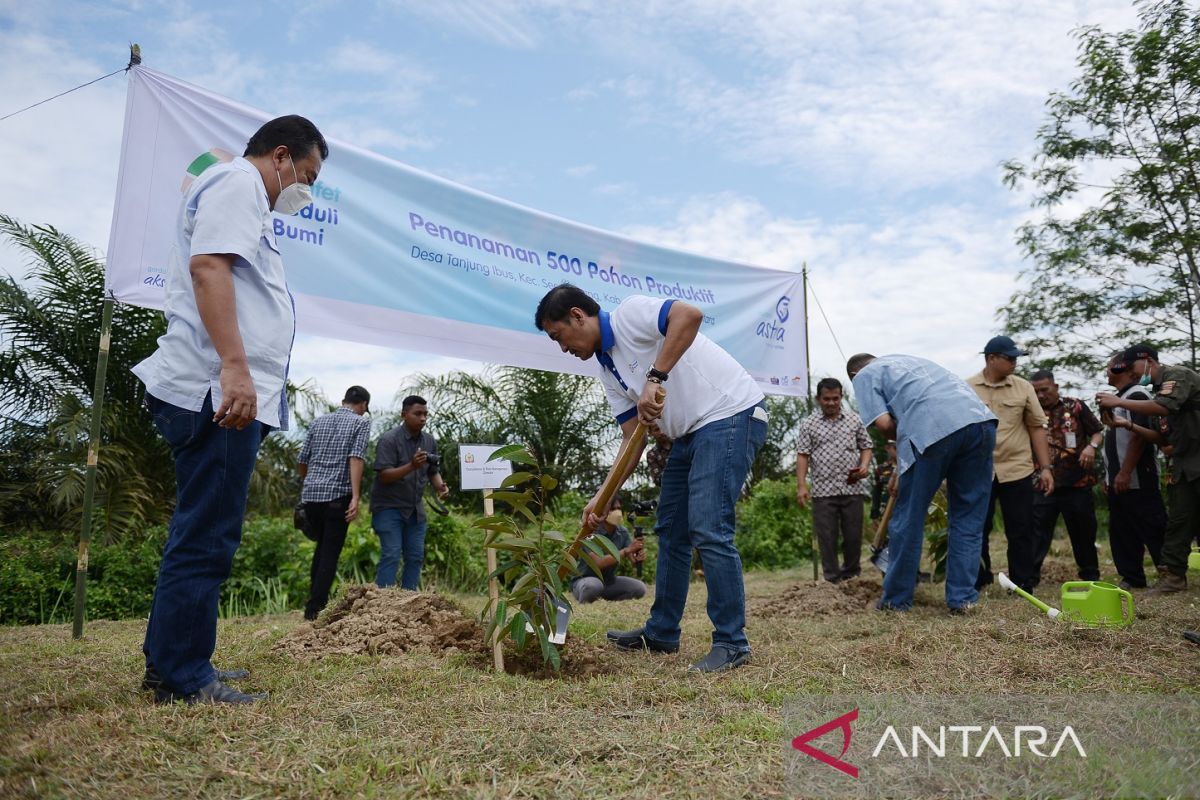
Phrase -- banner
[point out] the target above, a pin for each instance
(392, 256)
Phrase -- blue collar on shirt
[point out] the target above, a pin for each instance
(607, 339)
(607, 342)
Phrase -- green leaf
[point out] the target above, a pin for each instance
(517, 629)
(516, 479)
(609, 547)
(514, 498)
(548, 483)
(554, 536)
(514, 452)
(513, 543)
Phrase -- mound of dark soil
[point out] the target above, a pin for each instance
(822, 598)
(373, 621)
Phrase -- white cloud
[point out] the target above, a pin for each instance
(927, 282)
(387, 373)
(60, 158)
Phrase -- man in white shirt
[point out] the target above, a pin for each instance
(716, 415)
(216, 387)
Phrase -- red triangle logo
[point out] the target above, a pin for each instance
(801, 743)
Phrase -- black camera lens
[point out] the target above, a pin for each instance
(433, 458)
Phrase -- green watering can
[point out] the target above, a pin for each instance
(1194, 559)
(1097, 604)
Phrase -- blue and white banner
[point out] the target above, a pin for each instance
(392, 256)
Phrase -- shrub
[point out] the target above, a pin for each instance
(773, 532)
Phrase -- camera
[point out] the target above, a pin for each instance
(643, 508)
(432, 459)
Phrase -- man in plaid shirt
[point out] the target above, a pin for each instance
(331, 466)
(837, 449)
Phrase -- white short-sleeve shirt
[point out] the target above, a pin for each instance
(226, 211)
(707, 384)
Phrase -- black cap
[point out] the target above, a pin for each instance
(357, 394)
(1003, 346)
(1139, 351)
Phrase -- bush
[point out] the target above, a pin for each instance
(773, 532)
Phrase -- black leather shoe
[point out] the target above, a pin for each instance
(212, 694)
(152, 682)
(637, 640)
(720, 659)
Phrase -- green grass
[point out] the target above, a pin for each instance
(73, 723)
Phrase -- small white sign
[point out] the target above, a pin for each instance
(477, 471)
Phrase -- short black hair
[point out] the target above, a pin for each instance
(294, 132)
(1042, 375)
(357, 394)
(829, 385)
(559, 301)
(410, 401)
(857, 361)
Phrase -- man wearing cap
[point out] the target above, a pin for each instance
(1020, 437)
(1137, 517)
(1074, 435)
(331, 467)
(1177, 397)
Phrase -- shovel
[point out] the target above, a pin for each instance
(879, 553)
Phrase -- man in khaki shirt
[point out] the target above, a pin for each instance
(1020, 437)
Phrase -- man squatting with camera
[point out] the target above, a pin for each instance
(597, 577)
(717, 416)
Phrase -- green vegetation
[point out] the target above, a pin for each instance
(1116, 258)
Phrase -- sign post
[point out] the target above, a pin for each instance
(479, 473)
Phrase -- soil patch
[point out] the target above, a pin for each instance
(580, 660)
(822, 598)
(373, 621)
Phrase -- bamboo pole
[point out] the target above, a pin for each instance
(93, 459)
(493, 586)
(808, 396)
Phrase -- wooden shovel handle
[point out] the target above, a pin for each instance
(631, 450)
(881, 530)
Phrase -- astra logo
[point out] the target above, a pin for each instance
(781, 308)
(842, 723)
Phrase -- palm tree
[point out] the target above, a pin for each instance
(49, 337)
(563, 419)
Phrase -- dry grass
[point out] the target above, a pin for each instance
(417, 725)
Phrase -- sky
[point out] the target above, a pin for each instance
(863, 139)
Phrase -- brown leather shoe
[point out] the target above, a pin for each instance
(1168, 583)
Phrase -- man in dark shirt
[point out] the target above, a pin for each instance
(1177, 396)
(589, 585)
(1137, 516)
(405, 460)
(1074, 435)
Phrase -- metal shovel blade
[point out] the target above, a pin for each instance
(879, 557)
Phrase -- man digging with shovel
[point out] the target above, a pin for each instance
(943, 431)
(716, 416)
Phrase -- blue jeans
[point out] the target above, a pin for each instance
(700, 487)
(399, 534)
(213, 466)
(964, 460)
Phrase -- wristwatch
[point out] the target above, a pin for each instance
(657, 374)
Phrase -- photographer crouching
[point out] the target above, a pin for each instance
(597, 577)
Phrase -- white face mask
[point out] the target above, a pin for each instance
(294, 197)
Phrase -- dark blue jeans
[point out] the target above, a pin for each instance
(213, 466)
(399, 534)
(700, 487)
(964, 460)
